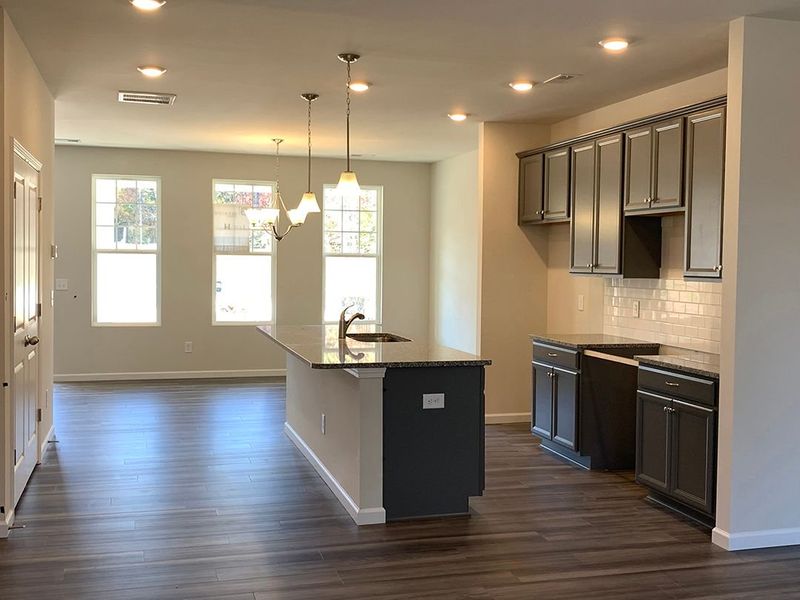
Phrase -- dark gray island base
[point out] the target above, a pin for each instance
(396, 429)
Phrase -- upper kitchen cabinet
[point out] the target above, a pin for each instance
(556, 185)
(600, 242)
(531, 189)
(582, 238)
(705, 174)
(654, 167)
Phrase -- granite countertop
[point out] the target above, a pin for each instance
(319, 346)
(594, 341)
(696, 363)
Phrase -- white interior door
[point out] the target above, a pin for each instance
(26, 308)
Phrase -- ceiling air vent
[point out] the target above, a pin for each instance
(560, 78)
(147, 98)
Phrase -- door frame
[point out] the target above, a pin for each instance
(18, 150)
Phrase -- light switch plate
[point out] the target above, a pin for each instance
(636, 309)
(62, 285)
(432, 401)
(580, 302)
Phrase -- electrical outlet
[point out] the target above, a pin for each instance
(580, 302)
(62, 285)
(432, 401)
(187, 347)
(636, 309)
(323, 424)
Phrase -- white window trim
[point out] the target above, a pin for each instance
(379, 266)
(273, 260)
(95, 252)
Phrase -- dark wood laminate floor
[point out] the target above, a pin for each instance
(190, 490)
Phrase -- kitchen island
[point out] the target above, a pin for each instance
(395, 429)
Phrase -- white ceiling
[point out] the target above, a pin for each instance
(238, 66)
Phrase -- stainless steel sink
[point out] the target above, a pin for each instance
(377, 337)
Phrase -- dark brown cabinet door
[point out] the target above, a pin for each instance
(667, 164)
(638, 169)
(705, 175)
(692, 455)
(583, 193)
(653, 440)
(608, 209)
(531, 188)
(542, 418)
(565, 408)
(556, 185)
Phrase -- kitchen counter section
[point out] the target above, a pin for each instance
(320, 348)
(706, 365)
(592, 341)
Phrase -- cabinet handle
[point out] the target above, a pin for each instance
(646, 201)
(672, 384)
(667, 409)
(552, 354)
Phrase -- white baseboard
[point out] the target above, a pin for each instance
(748, 540)
(497, 418)
(51, 435)
(5, 524)
(157, 375)
(361, 516)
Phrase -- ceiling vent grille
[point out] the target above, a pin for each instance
(560, 78)
(147, 98)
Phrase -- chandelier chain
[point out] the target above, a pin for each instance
(348, 114)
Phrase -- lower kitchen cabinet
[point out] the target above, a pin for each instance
(676, 439)
(583, 407)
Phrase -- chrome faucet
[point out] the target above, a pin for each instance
(344, 324)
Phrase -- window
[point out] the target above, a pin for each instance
(244, 255)
(126, 262)
(351, 245)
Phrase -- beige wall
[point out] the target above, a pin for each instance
(28, 116)
(758, 486)
(455, 252)
(563, 289)
(186, 298)
(513, 271)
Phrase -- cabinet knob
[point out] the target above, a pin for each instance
(718, 268)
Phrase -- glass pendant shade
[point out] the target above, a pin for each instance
(296, 216)
(268, 216)
(308, 204)
(348, 185)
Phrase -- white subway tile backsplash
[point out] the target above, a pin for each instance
(672, 312)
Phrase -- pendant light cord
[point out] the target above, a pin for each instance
(309, 146)
(348, 115)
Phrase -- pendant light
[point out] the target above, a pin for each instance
(308, 203)
(348, 183)
(268, 219)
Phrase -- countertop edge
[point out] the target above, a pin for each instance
(482, 362)
(657, 361)
(555, 340)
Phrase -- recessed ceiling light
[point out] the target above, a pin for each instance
(359, 86)
(151, 71)
(458, 117)
(521, 86)
(614, 45)
(148, 4)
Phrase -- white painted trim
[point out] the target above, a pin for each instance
(27, 156)
(378, 373)
(497, 418)
(6, 524)
(361, 516)
(748, 540)
(51, 435)
(157, 375)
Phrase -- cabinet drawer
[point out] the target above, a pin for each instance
(556, 356)
(694, 389)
